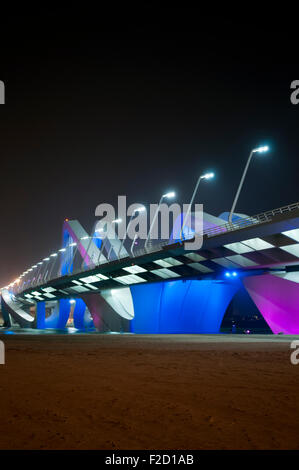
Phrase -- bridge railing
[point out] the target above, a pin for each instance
(239, 224)
(252, 220)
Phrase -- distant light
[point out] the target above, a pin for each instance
(85, 238)
(40, 262)
(72, 244)
(54, 254)
(62, 250)
(208, 176)
(235, 274)
(72, 301)
(99, 230)
(169, 195)
(66, 220)
(227, 274)
(46, 259)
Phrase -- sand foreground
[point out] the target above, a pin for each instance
(148, 392)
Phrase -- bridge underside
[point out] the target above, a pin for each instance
(178, 306)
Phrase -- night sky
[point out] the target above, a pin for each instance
(114, 105)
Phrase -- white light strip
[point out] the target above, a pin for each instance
(129, 279)
(257, 244)
(294, 234)
(292, 249)
(165, 273)
(135, 269)
(238, 247)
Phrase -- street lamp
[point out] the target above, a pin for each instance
(169, 195)
(256, 150)
(206, 176)
(138, 209)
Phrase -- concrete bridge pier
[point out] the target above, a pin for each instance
(276, 295)
(112, 310)
(181, 306)
(62, 311)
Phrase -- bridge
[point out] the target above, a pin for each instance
(162, 287)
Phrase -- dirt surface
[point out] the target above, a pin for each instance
(148, 392)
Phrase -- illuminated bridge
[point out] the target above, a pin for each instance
(163, 288)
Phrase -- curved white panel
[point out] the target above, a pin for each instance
(16, 310)
(121, 301)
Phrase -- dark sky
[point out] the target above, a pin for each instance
(119, 104)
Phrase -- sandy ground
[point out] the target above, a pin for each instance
(148, 392)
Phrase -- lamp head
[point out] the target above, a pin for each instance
(208, 176)
(261, 149)
(169, 195)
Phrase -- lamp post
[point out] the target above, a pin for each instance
(139, 209)
(164, 196)
(256, 150)
(206, 176)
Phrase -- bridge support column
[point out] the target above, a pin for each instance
(277, 298)
(40, 315)
(82, 317)
(5, 315)
(58, 317)
(191, 306)
(111, 310)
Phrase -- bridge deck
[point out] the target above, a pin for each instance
(268, 241)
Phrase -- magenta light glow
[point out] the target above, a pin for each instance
(278, 301)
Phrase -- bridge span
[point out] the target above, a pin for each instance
(164, 288)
